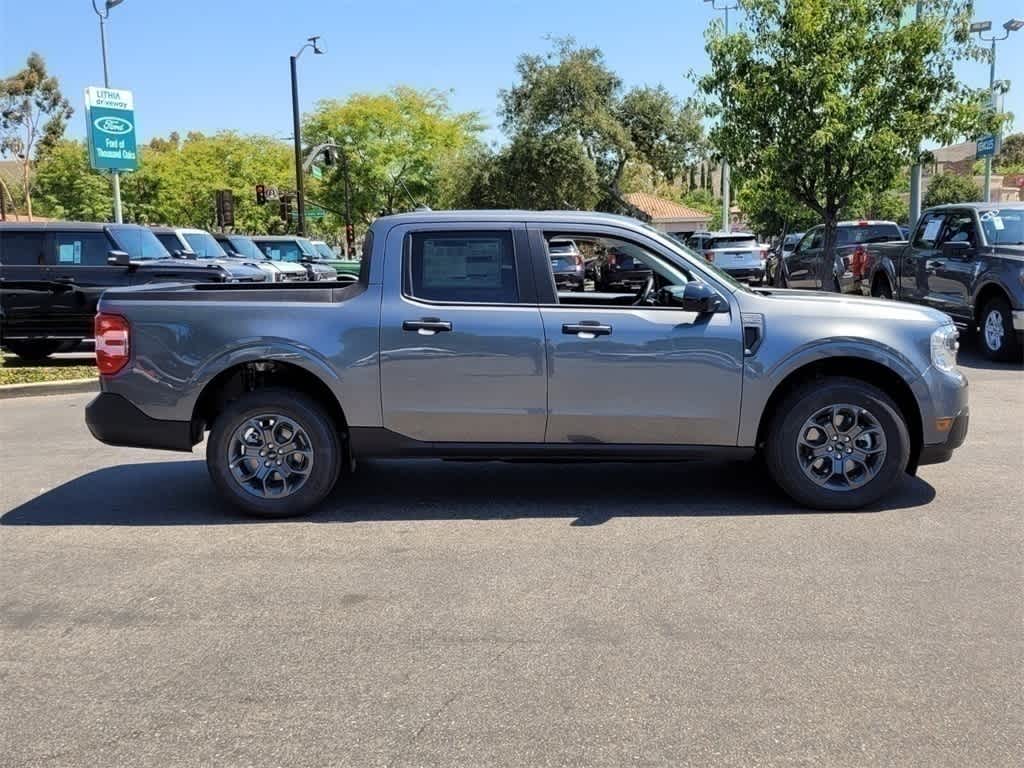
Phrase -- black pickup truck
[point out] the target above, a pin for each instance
(966, 260)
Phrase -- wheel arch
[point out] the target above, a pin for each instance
(987, 291)
(864, 369)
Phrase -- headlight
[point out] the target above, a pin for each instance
(944, 348)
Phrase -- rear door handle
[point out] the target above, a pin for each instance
(428, 326)
(588, 329)
(64, 279)
(932, 264)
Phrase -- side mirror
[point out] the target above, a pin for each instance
(958, 250)
(692, 297)
(118, 259)
(181, 253)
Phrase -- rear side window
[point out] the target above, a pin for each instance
(464, 267)
(868, 233)
(79, 249)
(364, 264)
(21, 249)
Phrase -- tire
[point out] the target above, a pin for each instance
(996, 334)
(284, 414)
(881, 289)
(33, 350)
(780, 278)
(786, 456)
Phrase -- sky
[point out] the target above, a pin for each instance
(223, 64)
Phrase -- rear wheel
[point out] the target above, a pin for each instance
(274, 453)
(837, 443)
(33, 350)
(998, 338)
(881, 289)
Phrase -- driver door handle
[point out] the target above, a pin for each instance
(428, 326)
(587, 329)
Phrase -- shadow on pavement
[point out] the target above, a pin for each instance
(180, 493)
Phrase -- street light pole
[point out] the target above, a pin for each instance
(980, 27)
(726, 223)
(103, 15)
(300, 227)
(915, 169)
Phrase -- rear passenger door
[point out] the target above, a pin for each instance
(78, 272)
(24, 291)
(461, 339)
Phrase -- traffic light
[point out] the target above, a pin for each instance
(225, 208)
(261, 194)
(285, 207)
(350, 237)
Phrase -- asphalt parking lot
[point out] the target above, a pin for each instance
(508, 615)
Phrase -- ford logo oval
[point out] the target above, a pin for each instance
(115, 125)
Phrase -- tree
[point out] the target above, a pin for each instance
(570, 95)
(831, 98)
(770, 209)
(1011, 156)
(396, 146)
(950, 188)
(33, 114)
(68, 188)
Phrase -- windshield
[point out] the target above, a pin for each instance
(280, 250)
(204, 245)
(140, 244)
(689, 255)
(307, 247)
(324, 250)
(1003, 226)
(246, 247)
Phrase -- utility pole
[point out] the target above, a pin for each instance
(726, 223)
(103, 15)
(979, 28)
(915, 169)
(300, 228)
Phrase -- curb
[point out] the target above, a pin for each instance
(69, 387)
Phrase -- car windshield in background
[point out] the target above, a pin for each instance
(736, 241)
(246, 247)
(140, 244)
(675, 246)
(858, 234)
(308, 248)
(1004, 226)
(204, 245)
(324, 250)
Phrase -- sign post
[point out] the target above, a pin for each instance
(110, 114)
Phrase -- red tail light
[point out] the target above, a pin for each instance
(764, 254)
(710, 256)
(111, 343)
(858, 262)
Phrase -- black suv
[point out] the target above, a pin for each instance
(52, 275)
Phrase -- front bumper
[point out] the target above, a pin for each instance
(945, 398)
(942, 452)
(114, 420)
(1018, 319)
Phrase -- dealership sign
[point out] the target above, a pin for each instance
(110, 114)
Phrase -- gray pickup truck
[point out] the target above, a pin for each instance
(966, 260)
(456, 344)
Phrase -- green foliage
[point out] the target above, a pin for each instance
(33, 115)
(830, 98)
(771, 210)
(1011, 156)
(398, 145)
(177, 180)
(950, 188)
(68, 188)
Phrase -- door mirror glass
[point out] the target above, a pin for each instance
(118, 259)
(692, 297)
(956, 250)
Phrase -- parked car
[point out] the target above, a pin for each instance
(187, 243)
(966, 260)
(619, 269)
(456, 344)
(297, 250)
(52, 275)
(809, 267)
(567, 265)
(782, 250)
(738, 253)
(345, 267)
(242, 247)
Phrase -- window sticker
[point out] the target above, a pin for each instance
(931, 229)
(70, 253)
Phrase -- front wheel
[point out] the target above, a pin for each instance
(998, 337)
(837, 443)
(274, 453)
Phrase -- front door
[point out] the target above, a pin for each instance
(625, 369)
(802, 264)
(462, 345)
(913, 268)
(950, 276)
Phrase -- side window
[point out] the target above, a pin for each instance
(21, 249)
(466, 267)
(74, 249)
(817, 239)
(805, 242)
(959, 229)
(927, 234)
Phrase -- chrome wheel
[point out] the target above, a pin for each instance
(270, 456)
(841, 447)
(994, 330)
